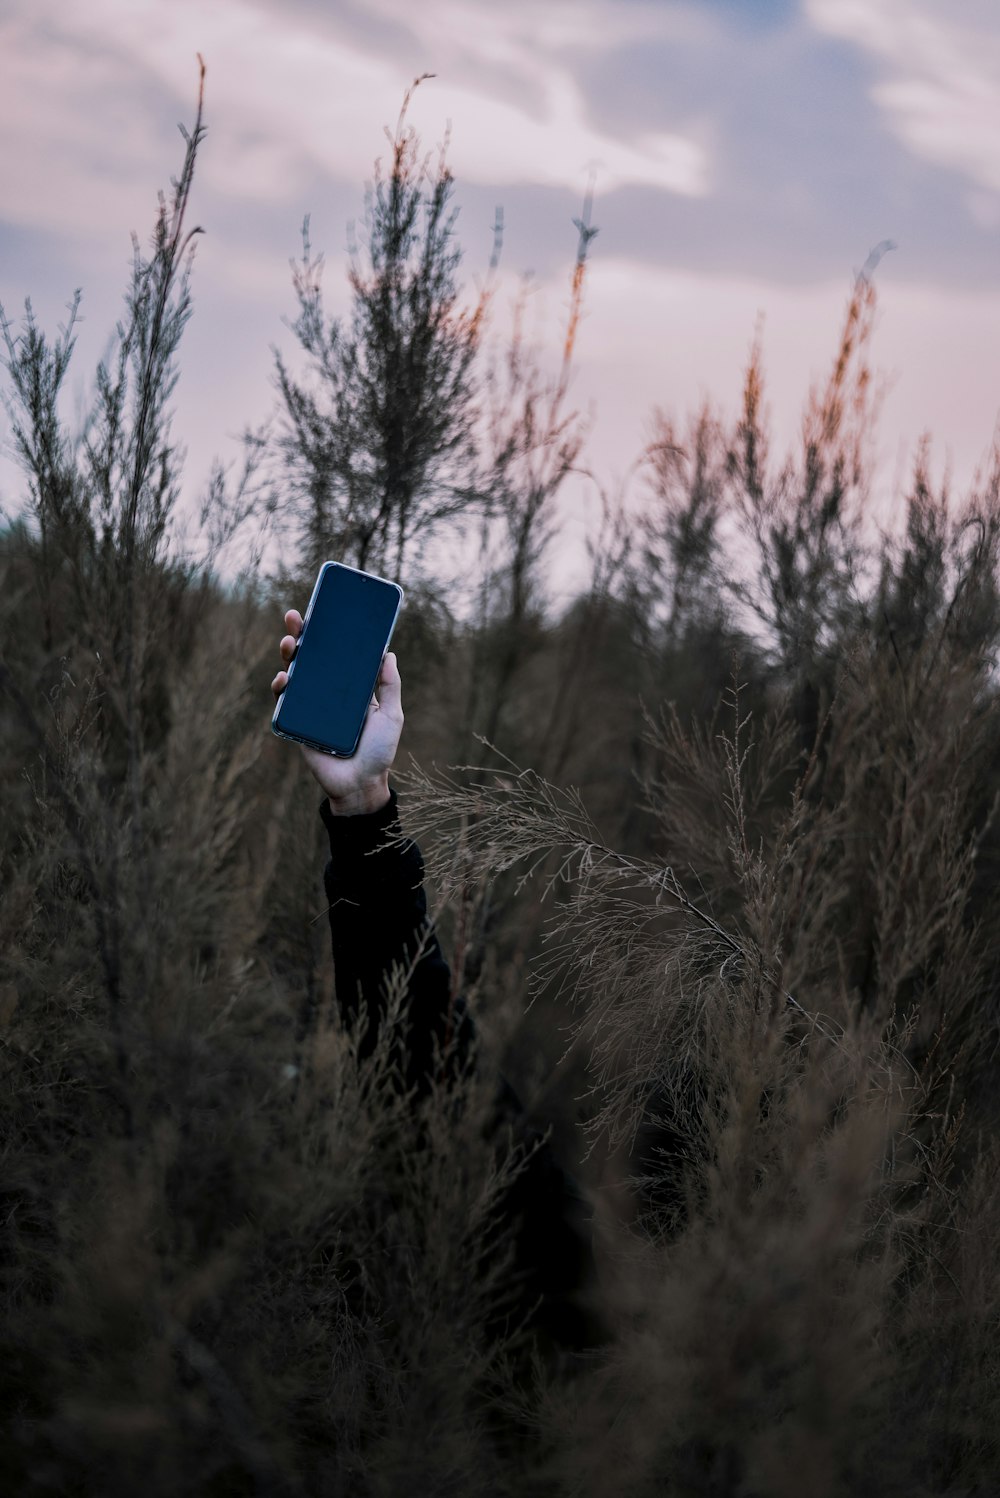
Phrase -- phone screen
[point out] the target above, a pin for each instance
(333, 674)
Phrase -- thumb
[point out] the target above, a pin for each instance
(390, 688)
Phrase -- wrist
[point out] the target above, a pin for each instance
(370, 796)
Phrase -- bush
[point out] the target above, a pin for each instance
(755, 849)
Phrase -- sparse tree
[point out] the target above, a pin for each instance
(805, 520)
(378, 440)
(686, 480)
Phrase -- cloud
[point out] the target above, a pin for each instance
(744, 154)
(289, 95)
(61, 103)
(541, 51)
(940, 76)
(509, 81)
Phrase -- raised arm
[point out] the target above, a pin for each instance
(378, 921)
(374, 886)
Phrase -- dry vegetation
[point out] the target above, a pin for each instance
(746, 877)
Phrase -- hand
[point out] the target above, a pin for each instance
(361, 783)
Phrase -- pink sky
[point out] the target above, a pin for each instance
(746, 157)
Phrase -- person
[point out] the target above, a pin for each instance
(379, 924)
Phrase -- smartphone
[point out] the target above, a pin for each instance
(331, 678)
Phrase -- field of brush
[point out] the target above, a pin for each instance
(714, 856)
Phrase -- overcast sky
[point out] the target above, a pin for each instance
(747, 155)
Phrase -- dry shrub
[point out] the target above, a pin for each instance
(233, 1259)
(798, 1047)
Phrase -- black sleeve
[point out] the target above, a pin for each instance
(380, 930)
(378, 920)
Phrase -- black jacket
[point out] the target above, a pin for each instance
(378, 922)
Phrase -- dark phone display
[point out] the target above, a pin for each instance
(337, 663)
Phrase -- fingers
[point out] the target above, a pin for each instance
(390, 688)
(293, 623)
(279, 683)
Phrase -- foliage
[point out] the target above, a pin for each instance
(378, 444)
(731, 932)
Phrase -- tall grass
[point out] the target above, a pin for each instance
(722, 898)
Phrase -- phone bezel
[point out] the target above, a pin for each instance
(296, 738)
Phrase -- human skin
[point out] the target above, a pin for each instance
(360, 784)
